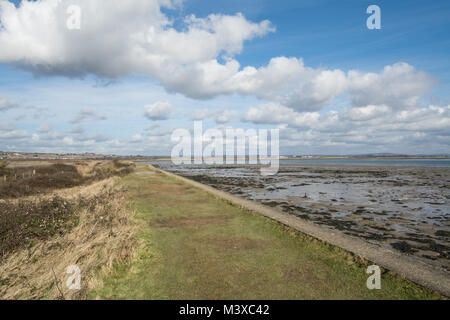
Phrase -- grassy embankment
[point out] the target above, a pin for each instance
(194, 246)
(59, 215)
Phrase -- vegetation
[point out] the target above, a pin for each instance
(194, 246)
(23, 222)
(18, 182)
(3, 164)
(89, 225)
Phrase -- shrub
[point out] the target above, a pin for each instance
(3, 164)
(26, 181)
(24, 221)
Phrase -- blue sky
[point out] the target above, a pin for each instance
(334, 33)
(338, 87)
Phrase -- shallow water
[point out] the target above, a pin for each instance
(405, 208)
(373, 162)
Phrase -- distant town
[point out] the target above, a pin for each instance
(31, 156)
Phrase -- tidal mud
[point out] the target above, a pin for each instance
(404, 208)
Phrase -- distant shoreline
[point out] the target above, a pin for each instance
(363, 157)
(32, 156)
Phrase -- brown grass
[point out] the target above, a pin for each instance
(16, 182)
(241, 243)
(103, 234)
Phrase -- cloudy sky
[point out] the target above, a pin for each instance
(136, 70)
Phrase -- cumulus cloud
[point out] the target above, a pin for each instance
(14, 135)
(367, 112)
(9, 132)
(158, 111)
(197, 58)
(373, 127)
(399, 86)
(290, 83)
(136, 138)
(272, 113)
(185, 60)
(225, 116)
(35, 37)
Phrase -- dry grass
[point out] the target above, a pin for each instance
(18, 182)
(104, 235)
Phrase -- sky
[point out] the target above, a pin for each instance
(134, 71)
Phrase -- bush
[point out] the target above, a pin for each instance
(24, 221)
(3, 164)
(26, 181)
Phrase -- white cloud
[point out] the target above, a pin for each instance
(198, 60)
(158, 111)
(399, 86)
(185, 60)
(35, 37)
(202, 114)
(6, 104)
(366, 128)
(15, 134)
(350, 130)
(290, 82)
(367, 113)
(136, 138)
(8, 132)
(225, 116)
(272, 113)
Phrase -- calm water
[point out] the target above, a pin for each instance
(374, 162)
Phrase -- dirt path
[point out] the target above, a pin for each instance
(196, 246)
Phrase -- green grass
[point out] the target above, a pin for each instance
(194, 246)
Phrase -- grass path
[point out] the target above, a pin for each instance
(194, 246)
